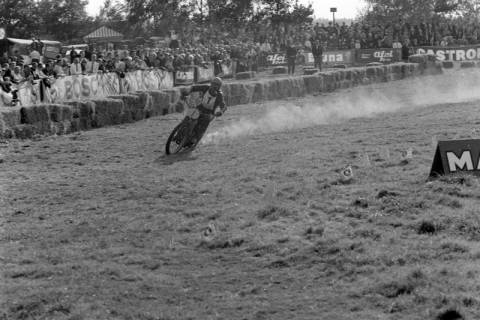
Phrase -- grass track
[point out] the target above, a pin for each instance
(101, 225)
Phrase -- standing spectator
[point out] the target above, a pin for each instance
(27, 72)
(72, 54)
(291, 57)
(58, 69)
(93, 65)
(49, 69)
(317, 52)
(119, 65)
(36, 45)
(7, 72)
(4, 44)
(17, 75)
(177, 62)
(37, 71)
(140, 63)
(75, 67)
(34, 55)
(405, 50)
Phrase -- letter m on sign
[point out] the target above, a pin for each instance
(456, 155)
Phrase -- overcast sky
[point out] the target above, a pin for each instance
(345, 8)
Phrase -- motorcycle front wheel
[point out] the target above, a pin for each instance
(178, 138)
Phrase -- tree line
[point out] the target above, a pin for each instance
(68, 21)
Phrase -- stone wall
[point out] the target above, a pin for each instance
(25, 122)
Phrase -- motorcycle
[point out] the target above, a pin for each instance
(180, 139)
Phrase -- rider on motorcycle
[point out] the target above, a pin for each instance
(212, 105)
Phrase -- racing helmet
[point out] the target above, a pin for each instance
(216, 82)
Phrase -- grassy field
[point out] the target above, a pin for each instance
(257, 223)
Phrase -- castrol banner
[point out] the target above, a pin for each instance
(80, 87)
(463, 53)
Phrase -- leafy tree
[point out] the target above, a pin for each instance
(63, 20)
(413, 11)
(19, 17)
(157, 16)
(113, 14)
(229, 11)
(469, 9)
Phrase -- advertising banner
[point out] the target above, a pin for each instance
(464, 53)
(79, 87)
(276, 59)
(387, 55)
(29, 93)
(5, 99)
(203, 74)
(185, 77)
(337, 57)
(328, 58)
(228, 70)
(456, 155)
(143, 80)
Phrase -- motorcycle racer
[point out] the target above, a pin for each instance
(212, 105)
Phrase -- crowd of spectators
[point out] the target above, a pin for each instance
(247, 50)
(371, 36)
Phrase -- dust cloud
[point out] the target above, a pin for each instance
(366, 101)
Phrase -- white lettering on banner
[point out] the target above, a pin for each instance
(84, 86)
(383, 55)
(450, 54)
(333, 57)
(453, 54)
(29, 93)
(465, 161)
(276, 58)
(227, 70)
(471, 54)
(205, 74)
(310, 58)
(184, 77)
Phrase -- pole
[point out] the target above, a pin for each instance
(333, 19)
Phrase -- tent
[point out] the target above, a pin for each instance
(103, 34)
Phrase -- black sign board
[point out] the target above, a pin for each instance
(333, 9)
(456, 156)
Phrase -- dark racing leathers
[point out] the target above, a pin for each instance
(207, 108)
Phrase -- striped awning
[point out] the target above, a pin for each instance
(104, 33)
